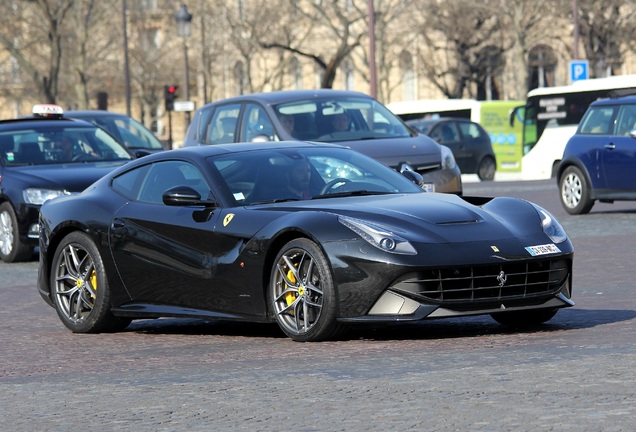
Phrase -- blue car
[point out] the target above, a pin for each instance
(600, 159)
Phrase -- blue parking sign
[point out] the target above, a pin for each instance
(579, 70)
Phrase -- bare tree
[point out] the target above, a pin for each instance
(393, 39)
(608, 31)
(340, 21)
(530, 22)
(454, 35)
(35, 40)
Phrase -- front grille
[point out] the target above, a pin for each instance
(497, 282)
(424, 170)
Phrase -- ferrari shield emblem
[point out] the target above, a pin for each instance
(228, 218)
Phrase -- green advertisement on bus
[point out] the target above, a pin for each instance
(506, 140)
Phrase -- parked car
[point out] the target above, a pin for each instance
(366, 126)
(468, 141)
(128, 131)
(41, 157)
(599, 160)
(223, 232)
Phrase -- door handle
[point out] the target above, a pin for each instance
(117, 223)
(610, 146)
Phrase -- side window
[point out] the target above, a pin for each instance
(256, 122)
(445, 133)
(470, 130)
(626, 120)
(222, 126)
(167, 174)
(598, 121)
(129, 182)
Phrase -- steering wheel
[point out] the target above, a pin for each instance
(339, 181)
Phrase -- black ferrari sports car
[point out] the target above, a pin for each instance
(311, 236)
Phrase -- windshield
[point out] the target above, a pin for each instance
(305, 173)
(340, 119)
(50, 145)
(126, 130)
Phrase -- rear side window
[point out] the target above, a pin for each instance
(598, 121)
(471, 130)
(625, 120)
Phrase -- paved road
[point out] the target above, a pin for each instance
(576, 373)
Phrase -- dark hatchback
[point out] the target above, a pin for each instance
(599, 160)
(313, 115)
(469, 142)
(43, 157)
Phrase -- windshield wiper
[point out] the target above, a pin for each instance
(350, 193)
(277, 200)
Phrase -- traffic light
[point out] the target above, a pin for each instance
(169, 96)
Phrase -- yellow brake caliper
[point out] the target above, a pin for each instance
(93, 281)
(290, 296)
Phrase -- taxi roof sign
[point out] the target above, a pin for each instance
(48, 110)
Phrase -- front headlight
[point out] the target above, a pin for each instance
(39, 196)
(378, 236)
(448, 160)
(551, 227)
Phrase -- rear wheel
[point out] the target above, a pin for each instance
(575, 191)
(301, 293)
(11, 248)
(487, 168)
(79, 286)
(525, 318)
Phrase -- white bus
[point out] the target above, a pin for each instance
(493, 116)
(551, 116)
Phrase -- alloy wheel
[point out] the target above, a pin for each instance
(76, 283)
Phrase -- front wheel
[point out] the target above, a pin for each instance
(525, 318)
(11, 248)
(79, 287)
(486, 170)
(301, 293)
(575, 191)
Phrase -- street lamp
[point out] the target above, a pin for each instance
(184, 28)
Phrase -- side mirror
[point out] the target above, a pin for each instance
(141, 153)
(182, 196)
(414, 176)
(632, 133)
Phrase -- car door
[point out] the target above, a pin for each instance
(167, 254)
(446, 133)
(619, 153)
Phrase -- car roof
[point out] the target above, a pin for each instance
(21, 123)
(219, 149)
(616, 101)
(92, 113)
(281, 96)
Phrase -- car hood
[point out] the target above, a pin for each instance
(71, 177)
(434, 217)
(414, 150)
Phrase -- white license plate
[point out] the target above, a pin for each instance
(429, 187)
(543, 249)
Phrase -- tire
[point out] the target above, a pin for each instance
(79, 287)
(11, 248)
(486, 169)
(574, 191)
(525, 318)
(301, 294)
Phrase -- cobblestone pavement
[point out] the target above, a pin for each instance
(576, 373)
